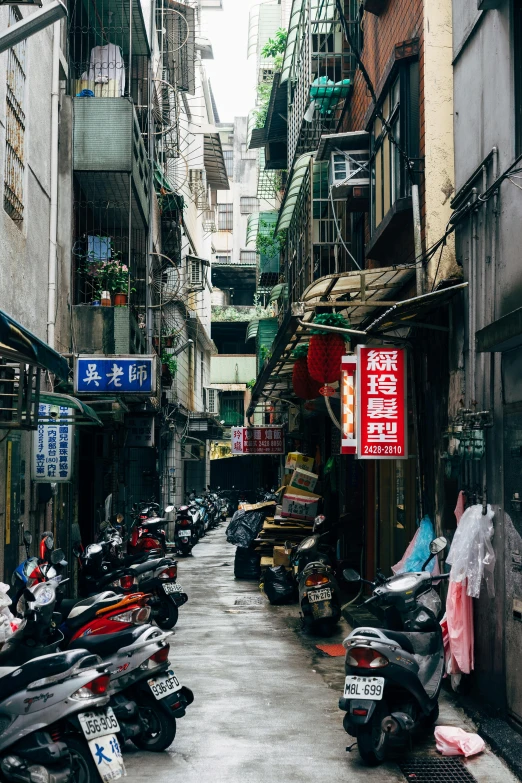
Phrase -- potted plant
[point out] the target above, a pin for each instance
(169, 368)
(107, 274)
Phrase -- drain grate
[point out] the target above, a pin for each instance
(435, 770)
(249, 600)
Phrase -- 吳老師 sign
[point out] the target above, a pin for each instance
(53, 447)
(258, 440)
(381, 403)
(115, 375)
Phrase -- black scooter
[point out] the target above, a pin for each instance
(394, 675)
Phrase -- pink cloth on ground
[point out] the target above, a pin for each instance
(452, 741)
(457, 624)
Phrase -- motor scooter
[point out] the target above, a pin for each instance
(53, 704)
(185, 534)
(319, 594)
(394, 676)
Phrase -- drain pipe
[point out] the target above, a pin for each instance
(53, 208)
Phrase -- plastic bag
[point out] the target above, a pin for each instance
(418, 550)
(245, 526)
(452, 741)
(278, 585)
(471, 555)
(247, 564)
(8, 623)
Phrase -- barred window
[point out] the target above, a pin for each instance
(225, 217)
(248, 256)
(14, 169)
(249, 204)
(224, 258)
(228, 155)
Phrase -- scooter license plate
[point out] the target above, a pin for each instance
(320, 595)
(164, 685)
(106, 753)
(364, 687)
(184, 533)
(172, 587)
(98, 723)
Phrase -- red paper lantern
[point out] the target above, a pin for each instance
(325, 352)
(304, 386)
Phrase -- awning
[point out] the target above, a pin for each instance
(292, 193)
(252, 228)
(252, 329)
(170, 201)
(502, 335)
(293, 29)
(409, 312)
(18, 344)
(320, 10)
(257, 139)
(83, 413)
(214, 162)
(276, 291)
(354, 140)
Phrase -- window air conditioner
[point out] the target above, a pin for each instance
(349, 174)
(212, 401)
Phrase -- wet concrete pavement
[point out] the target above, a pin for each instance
(265, 705)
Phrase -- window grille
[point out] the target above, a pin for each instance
(233, 408)
(212, 401)
(225, 217)
(248, 257)
(223, 259)
(249, 204)
(228, 156)
(195, 271)
(14, 169)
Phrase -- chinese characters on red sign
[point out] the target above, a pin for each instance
(381, 403)
(257, 440)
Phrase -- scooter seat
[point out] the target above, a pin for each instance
(85, 610)
(106, 644)
(402, 639)
(154, 522)
(19, 677)
(150, 565)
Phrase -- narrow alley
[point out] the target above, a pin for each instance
(265, 706)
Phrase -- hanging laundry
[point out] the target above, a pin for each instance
(107, 71)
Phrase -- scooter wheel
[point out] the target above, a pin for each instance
(372, 740)
(160, 728)
(167, 616)
(83, 768)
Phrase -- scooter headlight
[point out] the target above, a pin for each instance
(44, 594)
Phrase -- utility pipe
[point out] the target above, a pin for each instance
(53, 208)
(336, 329)
(417, 239)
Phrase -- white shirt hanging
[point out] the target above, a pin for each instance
(106, 67)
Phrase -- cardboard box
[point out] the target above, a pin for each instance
(300, 504)
(281, 558)
(294, 459)
(303, 479)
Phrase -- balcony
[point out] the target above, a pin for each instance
(228, 369)
(111, 331)
(109, 158)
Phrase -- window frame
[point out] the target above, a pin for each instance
(225, 211)
(228, 157)
(250, 209)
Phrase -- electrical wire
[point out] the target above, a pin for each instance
(338, 229)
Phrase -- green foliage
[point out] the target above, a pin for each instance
(171, 362)
(267, 242)
(264, 91)
(276, 45)
(265, 352)
(301, 351)
(250, 385)
(330, 319)
(108, 274)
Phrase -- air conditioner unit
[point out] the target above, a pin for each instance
(212, 401)
(195, 273)
(348, 170)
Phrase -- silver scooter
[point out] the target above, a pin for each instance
(55, 726)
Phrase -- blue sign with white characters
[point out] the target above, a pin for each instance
(115, 375)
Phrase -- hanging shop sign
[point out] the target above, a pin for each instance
(139, 431)
(381, 403)
(53, 445)
(258, 440)
(348, 434)
(115, 375)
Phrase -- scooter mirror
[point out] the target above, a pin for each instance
(438, 545)
(49, 541)
(57, 556)
(28, 538)
(169, 509)
(351, 575)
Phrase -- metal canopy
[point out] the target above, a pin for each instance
(257, 139)
(357, 293)
(408, 312)
(214, 161)
(292, 193)
(18, 344)
(252, 329)
(83, 413)
(355, 140)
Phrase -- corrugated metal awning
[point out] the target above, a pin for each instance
(18, 344)
(252, 329)
(214, 161)
(83, 413)
(292, 193)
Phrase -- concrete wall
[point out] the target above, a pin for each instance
(232, 368)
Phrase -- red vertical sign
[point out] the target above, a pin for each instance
(381, 403)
